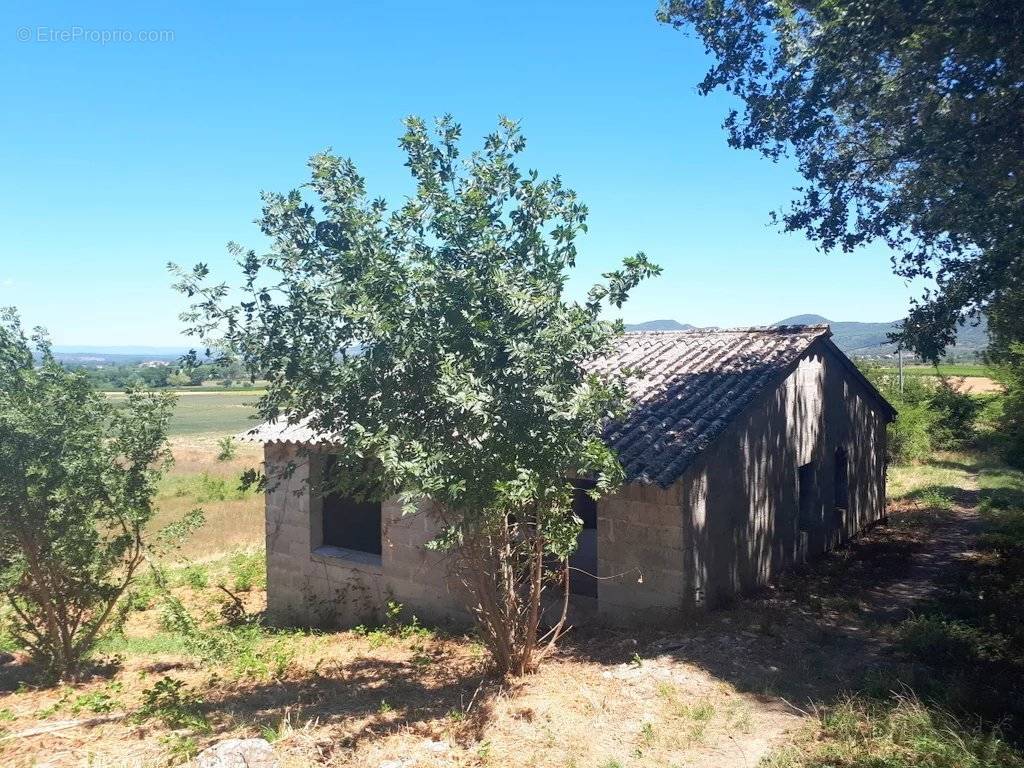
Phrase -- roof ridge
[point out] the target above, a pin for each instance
(739, 329)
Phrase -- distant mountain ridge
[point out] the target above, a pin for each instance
(91, 356)
(857, 339)
(872, 339)
(659, 325)
(854, 338)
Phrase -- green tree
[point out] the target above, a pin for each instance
(77, 478)
(910, 435)
(435, 342)
(1010, 436)
(190, 376)
(906, 120)
(155, 376)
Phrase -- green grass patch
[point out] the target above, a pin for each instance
(953, 370)
(968, 641)
(204, 488)
(160, 644)
(215, 412)
(902, 733)
(940, 475)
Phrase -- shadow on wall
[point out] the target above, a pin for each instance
(811, 639)
(761, 493)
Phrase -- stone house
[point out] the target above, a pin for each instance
(747, 451)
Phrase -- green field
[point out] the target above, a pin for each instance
(952, 369)
(205, 413)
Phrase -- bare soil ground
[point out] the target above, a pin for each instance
(725, 689)
(978, 385)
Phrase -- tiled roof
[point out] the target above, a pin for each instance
(686, 387)
(283, 432)
(690, 386)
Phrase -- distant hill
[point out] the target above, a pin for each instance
(854, 338)
(871, 339)
(804, 320)
(659, 325)
(90, 356)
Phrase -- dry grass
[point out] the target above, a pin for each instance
(712, 692)
(364, 698)
(231, 523)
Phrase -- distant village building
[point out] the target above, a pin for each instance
(748, 451)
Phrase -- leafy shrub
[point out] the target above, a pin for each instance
(928, 416)
(226, 447)
(1011, 422)
(170, 701)
(910, 435)
(248, 571)
(1008, 408)
(204, 488)
(194, 576)
(956, 416)
(78, 478)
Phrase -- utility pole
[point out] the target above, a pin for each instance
(899, 355)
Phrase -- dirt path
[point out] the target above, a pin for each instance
(821, 632)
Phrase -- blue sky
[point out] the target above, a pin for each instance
(120, 156)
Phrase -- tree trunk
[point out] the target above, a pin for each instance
(506, 578)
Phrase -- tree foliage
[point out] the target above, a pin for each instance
(907, 122)
(434, 341)
(1010, 439)
(77, 479)
(931, 413)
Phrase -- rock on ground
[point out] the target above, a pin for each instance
(238, 753)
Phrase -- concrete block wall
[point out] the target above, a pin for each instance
(640, 542)
(312, 585)
(739, 502)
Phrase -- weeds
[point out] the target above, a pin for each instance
(195, 577)
(647, 734)
(204, 488)
(98, 702)
(248, 571)
(246, 648)
(933, 498)
(171, 702)
(394, 628)
(180, 748)
(226, 448)
(900, 733)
